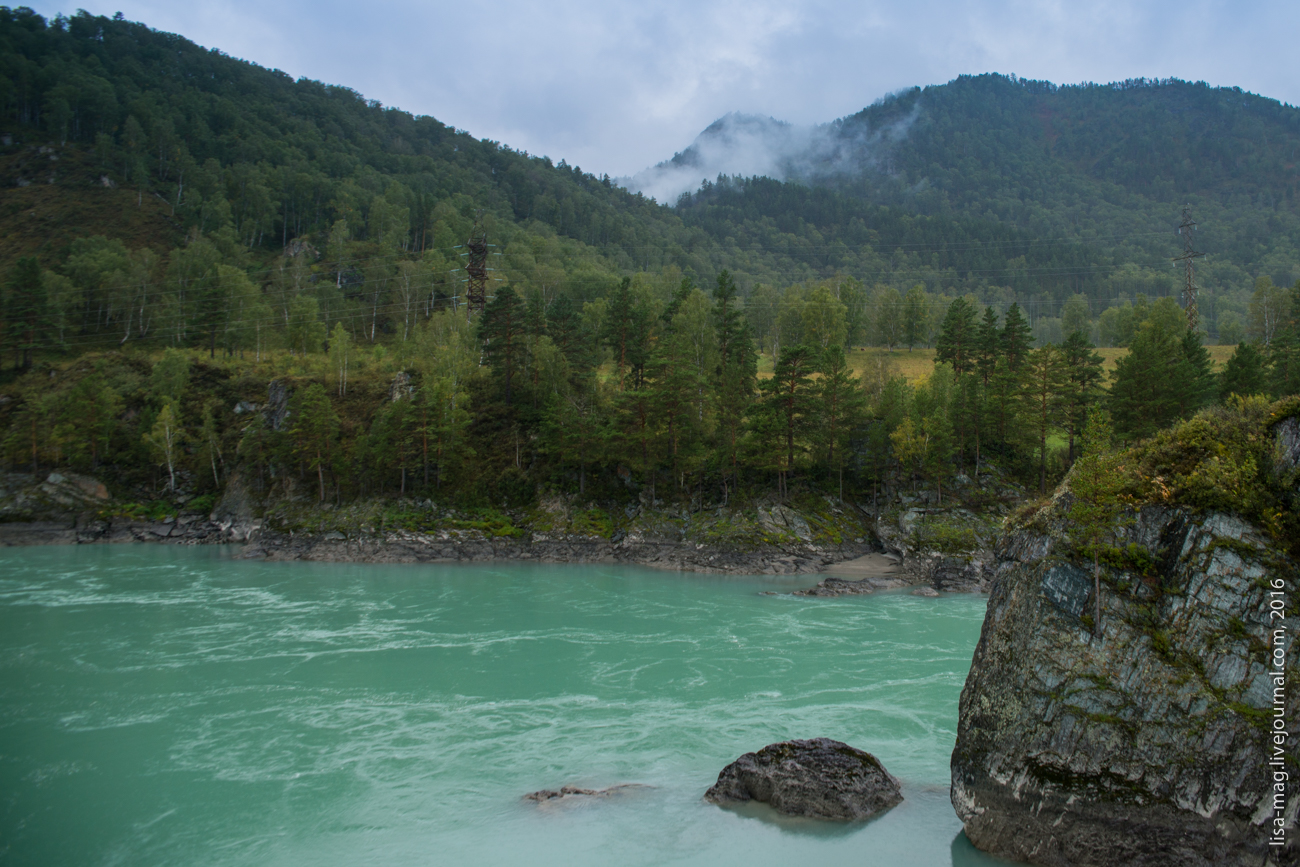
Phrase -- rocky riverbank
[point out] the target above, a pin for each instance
(761, 538)
(914, 541)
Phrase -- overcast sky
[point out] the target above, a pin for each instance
(617, 86)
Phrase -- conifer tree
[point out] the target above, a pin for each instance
(933, 409)
(1201, 383)
(502, 333)
(1016, 339)
(1082, 389)
(734, 376)
(958, 342)
(95, 405)
(842, 408)
(1244, 374)
(988, 339)
(1284, 351)
(790, 402)
(1045, 384)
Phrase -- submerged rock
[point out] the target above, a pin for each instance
(1148, 743)
(544, 795)
(819, 778)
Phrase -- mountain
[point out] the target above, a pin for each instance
(1109, 166)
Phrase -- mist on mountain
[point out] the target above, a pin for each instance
(747, 145)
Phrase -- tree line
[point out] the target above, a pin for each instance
(653, 389)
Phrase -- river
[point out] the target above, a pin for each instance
(171, 705)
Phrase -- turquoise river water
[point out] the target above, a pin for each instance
(164, 705)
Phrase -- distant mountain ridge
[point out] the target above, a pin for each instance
(1097, 163)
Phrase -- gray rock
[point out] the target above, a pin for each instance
(543, 796)
(819, 778)
(1142, 745)
(276, 409)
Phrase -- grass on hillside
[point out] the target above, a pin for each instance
(913, 364)
(43, 218)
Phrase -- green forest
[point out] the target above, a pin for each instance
(214, 271)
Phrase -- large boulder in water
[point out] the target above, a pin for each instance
(819, 778)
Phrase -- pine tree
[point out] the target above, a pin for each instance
(1284, 351)
(1244, 374)
(1045, 384)
(958, 342)
(988, 343)
(95, 405)
(1083, 377)
(502, 332)
(842, 405)
(1165, 376)
(1016, 339)
(933, 409)
(790, 402)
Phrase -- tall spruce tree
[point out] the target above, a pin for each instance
(502, 331)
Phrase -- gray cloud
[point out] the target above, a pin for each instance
(615, 87)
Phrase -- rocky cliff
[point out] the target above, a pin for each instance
(1146, 740)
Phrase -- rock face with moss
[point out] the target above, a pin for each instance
(1146, 740)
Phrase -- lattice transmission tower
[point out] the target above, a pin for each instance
(1189, 285)
(476, 268)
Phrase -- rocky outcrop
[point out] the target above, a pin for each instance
(1147, 743)
(818, 778)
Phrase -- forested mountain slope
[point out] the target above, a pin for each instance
(1108, 165)
(225, 143)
